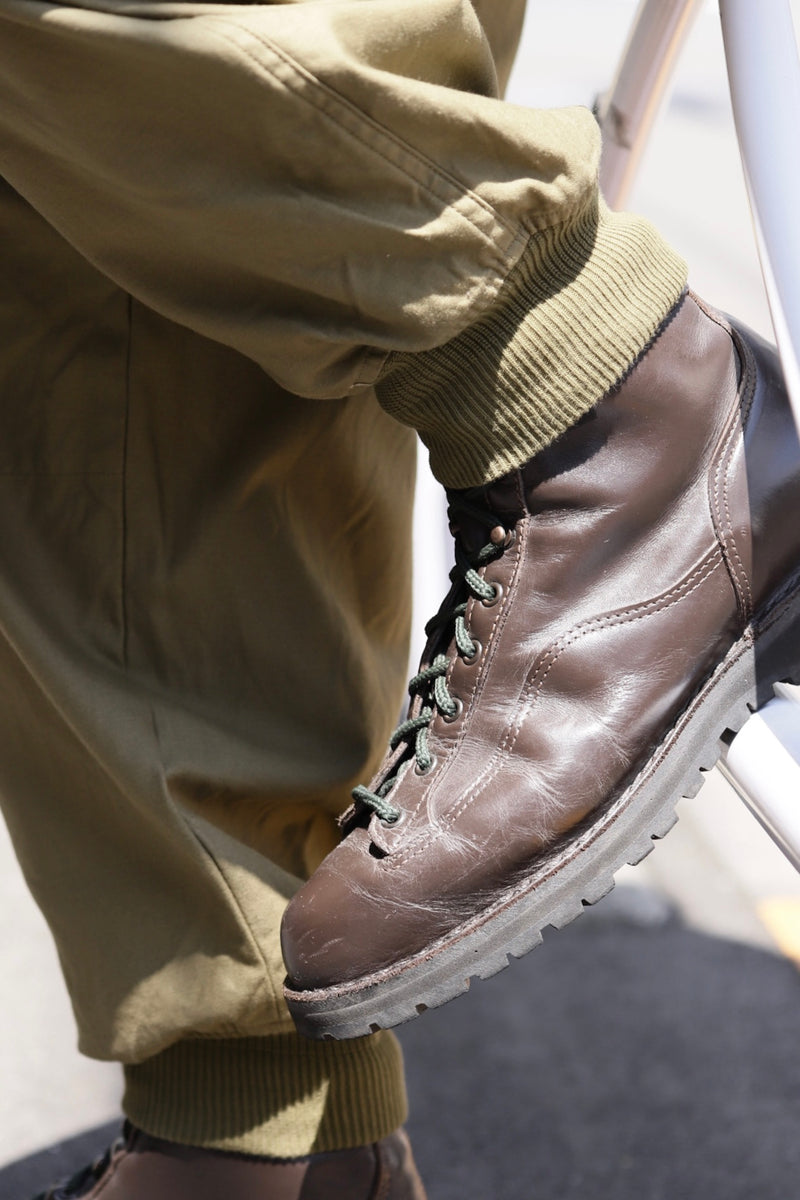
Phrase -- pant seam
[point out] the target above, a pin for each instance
(123, 569)
(327, 98)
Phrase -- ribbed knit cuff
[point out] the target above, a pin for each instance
(576, 311)
(281, 1096)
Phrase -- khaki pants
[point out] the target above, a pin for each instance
(225, 231)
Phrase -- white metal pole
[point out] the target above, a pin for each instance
(627, 111)
(763, 766)
(764, 74)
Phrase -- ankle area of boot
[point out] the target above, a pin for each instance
(660, 420)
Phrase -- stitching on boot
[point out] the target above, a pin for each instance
(720, 497)
(704, 570)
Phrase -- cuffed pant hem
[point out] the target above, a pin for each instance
(281, 1096)
(577, 310)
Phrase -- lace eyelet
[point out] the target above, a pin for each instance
(502, 537)
(418, 770)
(475, 656)
(498, 592)
(450, 718)
(393, 822)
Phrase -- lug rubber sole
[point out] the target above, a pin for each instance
(579, 872)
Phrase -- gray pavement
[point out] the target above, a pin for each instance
(717, 866)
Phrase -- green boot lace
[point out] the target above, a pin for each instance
(448, 625)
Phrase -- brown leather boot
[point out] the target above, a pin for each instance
(140, 1167)
(618, 603)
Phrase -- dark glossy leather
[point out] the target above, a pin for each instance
(645, 538)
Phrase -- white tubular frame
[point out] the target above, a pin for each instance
(627, 111)
(763, 765)
(764, 76)
(763, 760)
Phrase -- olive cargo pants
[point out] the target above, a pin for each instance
(244, 249)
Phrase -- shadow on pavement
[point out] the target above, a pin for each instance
(628, 1058)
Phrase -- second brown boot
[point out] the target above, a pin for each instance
(140, 1167)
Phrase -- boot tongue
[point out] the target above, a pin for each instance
(503, 500)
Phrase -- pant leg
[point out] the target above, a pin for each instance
(203, 621)
(335, 190)
(204, 595)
